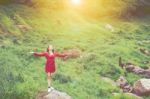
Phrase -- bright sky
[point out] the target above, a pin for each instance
(76, 2)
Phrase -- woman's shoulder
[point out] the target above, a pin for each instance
(55, 53)
(45, 52)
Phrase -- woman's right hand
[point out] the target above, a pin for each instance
(31, 52)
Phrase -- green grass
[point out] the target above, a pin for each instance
(22, 75)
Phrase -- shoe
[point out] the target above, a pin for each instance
(50, 89)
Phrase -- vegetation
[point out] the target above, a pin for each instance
(22, 75)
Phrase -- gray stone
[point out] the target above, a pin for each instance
(54, 94)
(142, 87)
(124, 85)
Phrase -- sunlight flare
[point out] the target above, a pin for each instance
(76, 2)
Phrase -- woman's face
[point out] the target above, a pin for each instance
(50, 47)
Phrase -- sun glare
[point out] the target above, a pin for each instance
(76, 2)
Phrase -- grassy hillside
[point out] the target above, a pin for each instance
(22, 75)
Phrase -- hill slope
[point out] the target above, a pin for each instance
(22, 29)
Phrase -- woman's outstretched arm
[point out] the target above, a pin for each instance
(39, 54)
(60, 55)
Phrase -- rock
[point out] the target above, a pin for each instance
(109, 27)
(142, 87)
(41, 95)
(57, 95)
(130, 95)
(124, 85)
(24, 28)
(144, 51)
(134, 69)
(72, 53)
(138, 70)
(146, 62)
(53, 95)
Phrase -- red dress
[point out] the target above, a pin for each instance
(50, 63)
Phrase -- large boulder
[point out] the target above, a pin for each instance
(53, 95)
(57, 95)
(142, 87)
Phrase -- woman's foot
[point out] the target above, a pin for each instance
(50, 89)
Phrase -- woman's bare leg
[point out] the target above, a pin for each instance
(49, 79)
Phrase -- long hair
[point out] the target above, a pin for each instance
(48, 49)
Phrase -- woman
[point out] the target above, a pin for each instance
(50, 63)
